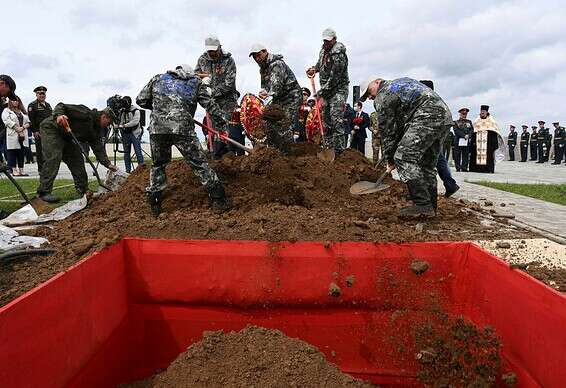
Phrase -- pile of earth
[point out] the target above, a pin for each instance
(253, 357)
(276, 197)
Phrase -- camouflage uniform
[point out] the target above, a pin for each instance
(58, 145)
(332, 67)
(375, 137)
(280, 83)
(414, 122)
(172, 98)
(223, 83)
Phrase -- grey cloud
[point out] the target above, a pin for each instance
(113, 15)
(21, 64)
(65, 78)
(112, 85)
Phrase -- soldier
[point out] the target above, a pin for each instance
(413, 121)
(525, 137)
(172, 98)
(332, 66)
(85, 123)
(281, 85)
(220, 67)
(38, 111)
(533, 143)
(375, 137)
(512, 142)
(559, 142)
(463, 129)
(543, 144)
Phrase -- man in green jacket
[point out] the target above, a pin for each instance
(86, 124)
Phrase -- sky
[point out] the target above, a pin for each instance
(510, 55)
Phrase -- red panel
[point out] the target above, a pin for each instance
(50, 333)
(76, 324)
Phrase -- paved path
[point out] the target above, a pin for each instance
(539, 214)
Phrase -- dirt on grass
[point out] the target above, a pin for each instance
(253, 357)
(276, 197)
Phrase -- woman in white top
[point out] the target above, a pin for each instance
(17, 124)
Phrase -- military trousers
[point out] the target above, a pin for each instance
(58, 148)
(558, 152)
(534, 150)
(524, 151)
(332, 114)
(189, 146)
(417, 153)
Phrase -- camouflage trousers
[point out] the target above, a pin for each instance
(291, 105)
(190, 148)
(417, 153)
(376, 147)
(332, 115)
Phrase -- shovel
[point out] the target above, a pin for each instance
(224, 137)
(37, 204)
(94, 170)
(365, 187)
(328, 154)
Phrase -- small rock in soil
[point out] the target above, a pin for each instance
(488, 203)
(509, 379)
(503, 244)
(334, 290)
(350, 280)
(419, 267)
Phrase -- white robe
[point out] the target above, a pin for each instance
(481, 126)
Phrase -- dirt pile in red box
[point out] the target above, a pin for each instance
(277, 198)
(253, 357)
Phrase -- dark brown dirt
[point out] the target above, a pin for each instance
(277, 198)
(253, 357)
(553, 277)
(419, 267)
(455, 353)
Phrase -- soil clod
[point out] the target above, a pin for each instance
(334, 290)
(419, 267)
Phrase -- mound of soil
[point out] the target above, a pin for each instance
(276, 197)
(253, 357)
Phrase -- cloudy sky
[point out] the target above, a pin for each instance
(508, 54)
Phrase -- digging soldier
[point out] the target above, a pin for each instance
(280, 83)
(172, 98)
(332, 67)
(559, 143)
(38, 111)
(220, 67)
(58, 145)
(533, 143)
(524, 143)
(414, 122)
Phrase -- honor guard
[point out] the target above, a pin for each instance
(512, 142)
(559, 143)
(525, 137)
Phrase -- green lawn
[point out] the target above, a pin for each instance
(546, 192)
(30, 185)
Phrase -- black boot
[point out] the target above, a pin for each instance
(421, 197)
(154, 199)
(433, 192)
(218, 200)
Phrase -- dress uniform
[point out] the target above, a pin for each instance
(525, 137)
(559, 143)
(38, 111)
(512, 143)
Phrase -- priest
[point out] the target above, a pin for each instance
(487, 146)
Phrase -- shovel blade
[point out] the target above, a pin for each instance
(365, 187)
(41, 207)
(327, 155)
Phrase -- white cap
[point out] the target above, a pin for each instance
(365, 85)
(256, 48)
(186, 68)
(211, 43)
(328, 34)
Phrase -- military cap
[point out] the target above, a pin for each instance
(524, 126)
(211, 43)
(11, 84)
(328, 34)
(534, 127)
(364, 87)
(110, 113)
(512, 126)
(40, 89)
(541, 122)
(307, 91)
(556, 123)
(485, 107)
(464, 110)
(256, 48)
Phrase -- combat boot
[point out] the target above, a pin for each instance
(154, 199)
(421, 197)
(49, 198)
(218, 200)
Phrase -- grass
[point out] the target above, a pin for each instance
(555, 193)
(7, 189)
